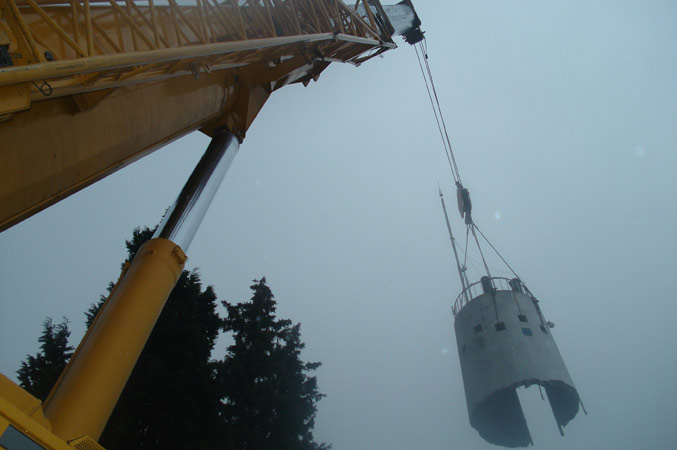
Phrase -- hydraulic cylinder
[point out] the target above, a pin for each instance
(86, 393)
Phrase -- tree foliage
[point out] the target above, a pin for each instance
(258, 397)
(171, 399)
(39, 373)
(270, 401)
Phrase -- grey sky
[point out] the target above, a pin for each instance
(563, 120)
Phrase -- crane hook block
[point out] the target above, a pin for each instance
(464, 203)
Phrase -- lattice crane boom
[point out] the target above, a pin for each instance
(89, 86)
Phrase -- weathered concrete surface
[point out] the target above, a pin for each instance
(496, 359)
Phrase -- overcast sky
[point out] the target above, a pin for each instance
(564, 124)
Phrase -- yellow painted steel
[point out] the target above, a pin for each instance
(24, 401)
(90, 86)
(58, 69)
(85, 395)
(11, 415)
(131, 123)
(95, 85)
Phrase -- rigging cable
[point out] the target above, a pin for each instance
(465, 258)
(447, 148)
(463, 196)
(497, 252)
(424, 49)
(479, 247)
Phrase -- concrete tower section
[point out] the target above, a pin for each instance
(503, 343)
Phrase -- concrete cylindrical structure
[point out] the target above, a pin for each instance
(503, 343)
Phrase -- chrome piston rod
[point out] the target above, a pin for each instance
(181, 222)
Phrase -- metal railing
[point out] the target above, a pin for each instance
(478, 288)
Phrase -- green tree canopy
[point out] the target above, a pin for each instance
(269, 399)
(171, 400)
(39, 373)
(259, 397)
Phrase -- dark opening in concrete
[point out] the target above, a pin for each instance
(499, 418)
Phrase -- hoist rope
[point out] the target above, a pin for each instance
(465, 205)
(424, 49)
(447, 151)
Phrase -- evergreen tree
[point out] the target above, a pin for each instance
(260, 397)
(171, 400)
(269, 400)
(39, 373)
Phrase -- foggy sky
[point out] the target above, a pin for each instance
(563, 120)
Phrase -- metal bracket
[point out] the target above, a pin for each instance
(15, 98)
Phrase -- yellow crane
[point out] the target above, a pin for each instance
(89, 86)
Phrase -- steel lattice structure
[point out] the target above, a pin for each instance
(88, 86)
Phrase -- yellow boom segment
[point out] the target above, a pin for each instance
(87, 391)
(87, 87)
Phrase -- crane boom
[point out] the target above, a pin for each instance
(90, 86)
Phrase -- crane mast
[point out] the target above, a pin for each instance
(90, 86)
